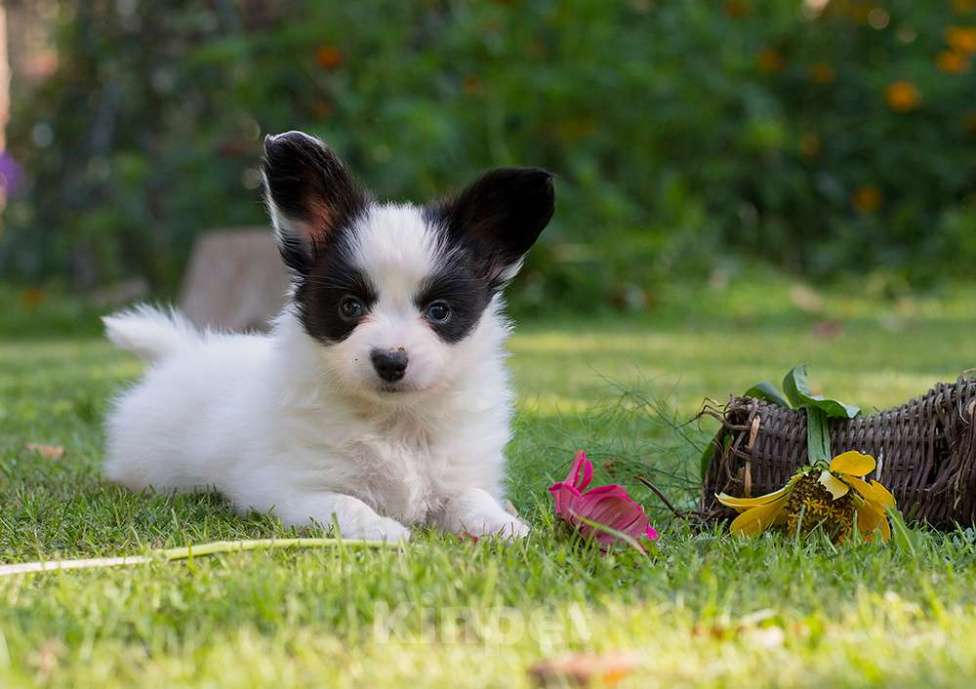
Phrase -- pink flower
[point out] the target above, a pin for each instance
(609, 506)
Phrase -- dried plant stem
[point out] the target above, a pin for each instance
(657, 491)
(189, 552)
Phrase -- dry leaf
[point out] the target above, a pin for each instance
(582, 669)
(46, 658)
(52, 452)
(827, 330)
(753, 622)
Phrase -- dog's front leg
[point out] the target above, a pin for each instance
(477, 513)
(355, 518)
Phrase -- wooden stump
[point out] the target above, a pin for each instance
(235, 281)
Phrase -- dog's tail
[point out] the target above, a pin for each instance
(150, 333)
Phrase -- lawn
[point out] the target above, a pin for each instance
(707, 611)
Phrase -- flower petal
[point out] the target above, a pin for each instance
(563, 495)
(853, 463)
(616, 511)
(609, 489)
(756, 520)
(581, 471)
(612, 507)
(870, 519)
(834, 485)
(748, 503)
(886, 498)
(873, 492)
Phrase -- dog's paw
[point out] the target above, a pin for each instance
(507, 527)
(389, 530)
(357, 520)
(378, 529)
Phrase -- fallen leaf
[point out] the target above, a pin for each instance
(32, 298)
(47, 657)
(52, 452)
(828, 330)
(581, 669)
(747, 625)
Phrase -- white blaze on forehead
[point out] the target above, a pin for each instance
(396, 248)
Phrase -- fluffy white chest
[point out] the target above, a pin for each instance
(397, 479)
(391, 464)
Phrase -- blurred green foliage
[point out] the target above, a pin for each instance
(683, 133)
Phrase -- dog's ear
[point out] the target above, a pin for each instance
(499, 217)
(309, 195)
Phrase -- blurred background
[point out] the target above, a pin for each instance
(832, 142)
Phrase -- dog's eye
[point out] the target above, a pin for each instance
(351, 308)
(437, 311)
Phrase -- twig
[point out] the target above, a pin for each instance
(667, 503)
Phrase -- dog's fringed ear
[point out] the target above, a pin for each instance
(309, 195)
(499, 217)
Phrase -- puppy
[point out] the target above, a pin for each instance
(380, 400)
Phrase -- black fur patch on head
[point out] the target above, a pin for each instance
(320, 294)
(315, 202)
(460, 287)
(312, 195)
(498, 218)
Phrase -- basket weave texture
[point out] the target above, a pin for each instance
(926, 452)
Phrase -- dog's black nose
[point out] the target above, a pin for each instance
(390, 364)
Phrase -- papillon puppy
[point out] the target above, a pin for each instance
(380, 399)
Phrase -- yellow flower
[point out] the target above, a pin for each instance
(858, 10)
(471, 84)
(902, 96)
(33, 297)
(962, 38)
(871, 499)
(770, 61)
(810, 145)
(737, 8)
(822, 73)
(964, 6)
(867, 199)
(831, 498)
(328, 56)
(952, 62)
(969, 122)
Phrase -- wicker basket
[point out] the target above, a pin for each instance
(926, 452)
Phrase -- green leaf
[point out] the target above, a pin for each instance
(818, 435)
(797, 389)
(901, 535)
(769, 392)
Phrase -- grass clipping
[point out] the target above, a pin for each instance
(189, 552)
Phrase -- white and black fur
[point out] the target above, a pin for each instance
(380, 399)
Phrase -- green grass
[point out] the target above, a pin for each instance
(708, 611)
